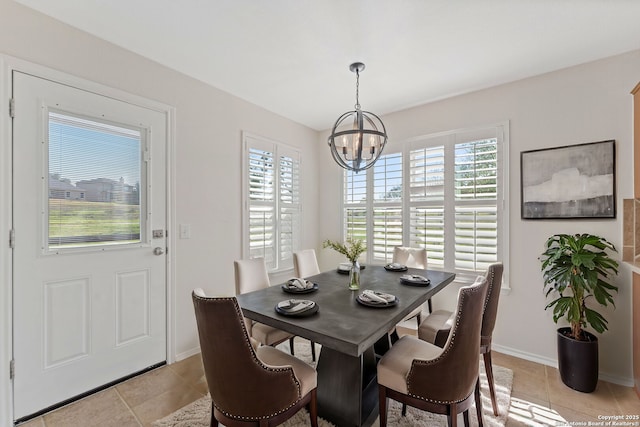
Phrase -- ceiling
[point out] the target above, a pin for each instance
(292, 56)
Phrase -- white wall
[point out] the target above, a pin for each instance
(586, 103)
(208, 126)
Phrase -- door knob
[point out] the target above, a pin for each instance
(158, 251)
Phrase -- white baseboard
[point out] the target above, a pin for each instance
(615, 379)
(188, 353)
(531, 357)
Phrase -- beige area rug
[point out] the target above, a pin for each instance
(198, 413)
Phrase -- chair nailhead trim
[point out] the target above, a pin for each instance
(258, 361)
(443, 354)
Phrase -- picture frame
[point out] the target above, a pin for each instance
(569, 182)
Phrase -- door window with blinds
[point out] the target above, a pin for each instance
(443, 193)
(94, 183)
(272, 211)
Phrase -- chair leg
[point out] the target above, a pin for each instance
(478, 402)
(465, 417)
(404, 409)
(313, 350)
(291, 346)
(453, 415)
(488, 367)
(393, 337)
(214, 422)
(382, 395)
(312, 407)
(429, 305)
(419, 318)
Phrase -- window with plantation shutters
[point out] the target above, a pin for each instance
(272, 202)
(426, 200)
(387, 206)
(355, 205)
(373, 213)
(443, 192)
(476, 211)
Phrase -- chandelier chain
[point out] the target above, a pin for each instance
(357, 106)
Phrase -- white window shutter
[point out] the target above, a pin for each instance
(289, 207)
(272, 196)
(449, 202)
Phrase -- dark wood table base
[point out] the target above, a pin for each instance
(348, 385)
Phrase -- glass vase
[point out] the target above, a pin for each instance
(354, 276)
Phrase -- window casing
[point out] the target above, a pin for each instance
(96, 174)
(442, 192)
(271, 195)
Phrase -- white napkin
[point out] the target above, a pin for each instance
(396, 265)
(344, 266)
(414, 278)
(299, 283)
(296, 305)
(381, 297)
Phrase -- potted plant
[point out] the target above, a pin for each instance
(578, 270)
(352, 250)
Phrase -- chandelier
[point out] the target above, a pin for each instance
(358, 137)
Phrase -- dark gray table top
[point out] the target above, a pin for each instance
(341, 323)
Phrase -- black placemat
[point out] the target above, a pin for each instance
(368, 303)
(306, 312)
(293, 290)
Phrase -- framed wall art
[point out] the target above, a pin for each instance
(574, 181)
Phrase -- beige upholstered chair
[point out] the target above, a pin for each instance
(305, 263)
(412, 258)
(261, 387)
(436, 327)
(251, 275)
(440, 380)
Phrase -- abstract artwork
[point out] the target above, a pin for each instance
(575, 181)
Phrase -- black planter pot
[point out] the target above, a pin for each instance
(578, 361)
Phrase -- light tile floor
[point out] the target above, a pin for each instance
(539, 398)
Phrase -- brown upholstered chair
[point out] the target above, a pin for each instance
(305, 263)
(262, 387)
(440, 380)
(436, 327)
(251, 275)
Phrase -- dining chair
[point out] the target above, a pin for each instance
(248, 387)
(439, 380)
(251, 275)
(412, 258)
(305, 263)
(436, 327)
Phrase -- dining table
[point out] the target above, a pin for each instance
(352, 335)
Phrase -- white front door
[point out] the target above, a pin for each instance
(89, 196)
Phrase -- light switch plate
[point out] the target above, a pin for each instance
(185, 231)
